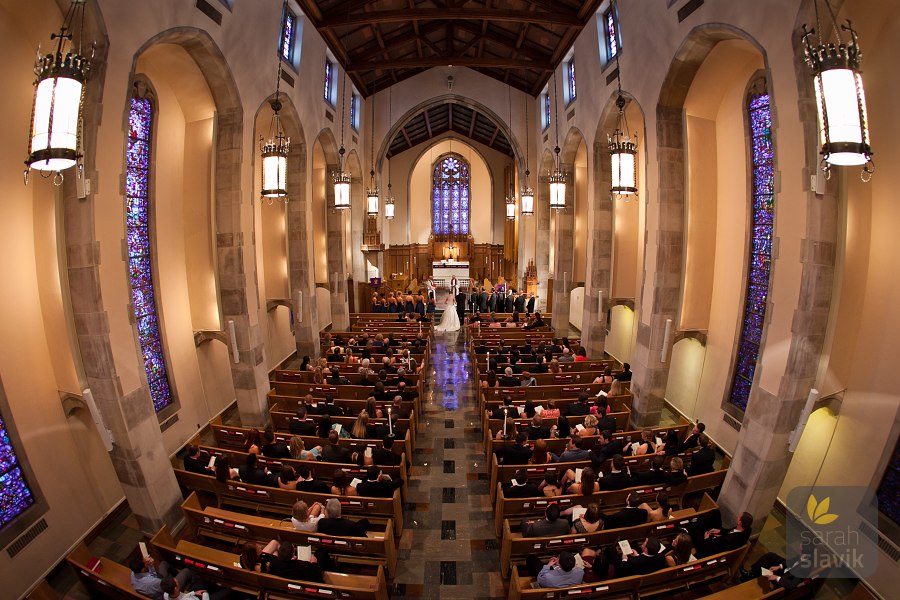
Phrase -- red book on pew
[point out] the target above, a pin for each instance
(94, 564)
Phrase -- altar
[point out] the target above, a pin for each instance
(444, 270)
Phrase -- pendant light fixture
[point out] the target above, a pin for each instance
(274, 150)
(372, 192)
(511, 203)
(511, 189)
(557, 178)
(389, 197)
(55, 136)
(527, 192)
(840, 96)
(340, 177)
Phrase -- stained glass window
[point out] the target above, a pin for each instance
(611, 34)
(15, 496)
(570, 80)
(354, 110)
(450, 195)
(288, 33)
(140, 263)
(329, 81)
(545, 110)
(761, 231)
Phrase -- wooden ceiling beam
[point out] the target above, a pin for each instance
(406, 136)
(428, 124)
(456, 61)
(554, 17)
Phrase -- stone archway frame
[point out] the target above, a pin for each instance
(601, 254)
(651, 374)
(297, 224)
(542, 216)
(335, 239)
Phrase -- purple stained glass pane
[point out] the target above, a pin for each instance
(760, 122)
(758, 102)
(287, 36)
(15, 496)
(753, 321)
(762, 148)
(763, 180)
(746, 362)
(612, 42)
(140, 268)
(756, 297)
(451, 196)
(740, 393)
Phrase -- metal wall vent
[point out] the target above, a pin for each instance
(26, 538)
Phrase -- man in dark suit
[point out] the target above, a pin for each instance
(193, 463)
(336, 377)
(520, 487)
(529, 306)
(271, 448)
(333, 452)
(508, 379)
(334, 524)
(693, 439)
(702, 460)
(492, 301)
(605, 449)
(483, 300)
(378, 485)
(647, 561)
(510, 300)
(537, 430)
(511, 413)
(787, 575)
(514, 454)
(519, 304)
(625, 374)
(331, 408)
(250, 473)
(715, 540)
(655, 475)
(618, 478)
(461, 306)
(578, 408)
(472, 301)
(629, 516)
(385, 455)
(307, 483)
(604, 422)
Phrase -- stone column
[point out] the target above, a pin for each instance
(138, 455)
(337, 267)
(300, 263)
(564, 255)
(542, 242)
(650, 374)
(237, 274)
(599, 258)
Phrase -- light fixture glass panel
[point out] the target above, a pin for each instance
(54, 139)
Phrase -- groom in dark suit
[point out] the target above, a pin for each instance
(461, 306)
(483, 301)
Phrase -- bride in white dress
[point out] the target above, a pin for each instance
(450, 320)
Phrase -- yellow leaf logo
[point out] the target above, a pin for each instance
(818, 511)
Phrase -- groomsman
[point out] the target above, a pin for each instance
(473, 300)
(529, 307)
(519, 304)
(492, 301)
(483, 301)
(510, 300)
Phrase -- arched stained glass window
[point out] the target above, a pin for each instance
(15, 495)
(140, 260)
(450, 196)
(762, 224)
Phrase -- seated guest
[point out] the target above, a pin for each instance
(305, 517)
(588, 428)
(334, 452)
(715, 540)
(605, 448)
(520, 487)
(783, 574)
(331, 408)
(693, 440)
(550, 486)
(145, 579)
(702, 460)
(251, 473)
(590, 521)
(647, 561)
(341, 484)
(224, 472)
(378, 485)
(625, 374)
(676, 474)
(407, 392)
(193, 462)
(334, 524)
(288, 478)
(514, 454)
(574, 451)
(299, 452)
(173, 591)
(277, 559)
(567, 356)
(680, 551)
(299, 425)
(253, 442)
(360, 430)
(306, 482)
(508, 379)
(551, 525)
(653, 476)
(670, 444)
(578, 408)
(385, 456)
(537, 322)
(618, 478)
(537, 430)
(643, 446)
(507, 406)
(662, 510)
(540, 455)
(559, 571)
(606, 377)
(336, 378)
(271, 448)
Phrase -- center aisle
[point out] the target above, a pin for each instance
(448, 548)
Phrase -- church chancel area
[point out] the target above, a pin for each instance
(522, 299)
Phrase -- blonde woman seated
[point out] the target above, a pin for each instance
(590, 521)
(662, 510)
(554, 367)
(349, 358)
(306, 518)
(299, 451)
(372, 408)
(361, 427)
(318, 376)
(616, 388)
(589, 427)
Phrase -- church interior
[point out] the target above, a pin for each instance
(227, 204)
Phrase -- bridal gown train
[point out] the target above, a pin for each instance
(450, 320)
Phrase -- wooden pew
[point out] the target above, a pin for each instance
(110, 580)
(289, 404)
(514, 547)
(232, 527)
(274, 501)
(219, 567)
(755, 589)
(355, 392)
(568, 378)
(555, 445)
(666, 581)
(542, 392)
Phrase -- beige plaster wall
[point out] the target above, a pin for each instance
(620, 341)
(581, 217)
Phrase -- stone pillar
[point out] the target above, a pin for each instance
(650, 374)
(564, 255)
(542, 243)
(237, 274)
(599, 258)
(300, 265)
(337, 267)
(138, 455)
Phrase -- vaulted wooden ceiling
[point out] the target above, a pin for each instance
(382, 42)
(449, 116)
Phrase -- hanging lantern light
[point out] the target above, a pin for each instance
(389, 204)
(622, 151)
(840, 97)
(274, 157)
(527, 195)
(511, 207)
(340, 177)
(372, 196)
(58, 101)
(557, 186)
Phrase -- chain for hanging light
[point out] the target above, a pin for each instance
(557, 178)
(372, 192)
(389, 198)
(274, 150)
(340, 177)
(54, 141)
(527, 192)
(840, 96)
